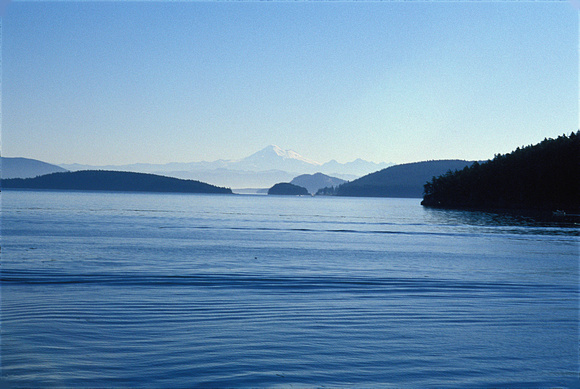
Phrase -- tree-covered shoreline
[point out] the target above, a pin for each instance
(112, 181)
(543, 177)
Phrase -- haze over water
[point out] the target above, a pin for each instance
(168, 290)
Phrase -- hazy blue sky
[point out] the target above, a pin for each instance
(125, 82)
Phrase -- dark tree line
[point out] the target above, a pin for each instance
(327, 191)
(545, 176)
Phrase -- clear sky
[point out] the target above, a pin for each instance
(125, 82)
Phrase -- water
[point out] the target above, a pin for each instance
(175, 291)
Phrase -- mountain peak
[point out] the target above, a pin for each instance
(274, 152)
(276, 149)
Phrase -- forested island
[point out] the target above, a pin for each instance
(544, 177)
(286, 188)
(102, 180)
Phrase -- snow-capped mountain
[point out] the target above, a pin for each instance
(275, 158)
(273, 151)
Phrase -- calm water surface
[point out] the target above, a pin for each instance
(176, 291)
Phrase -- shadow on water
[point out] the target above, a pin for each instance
(508, 218)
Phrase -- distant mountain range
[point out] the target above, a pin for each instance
(262, 169)
(405, 180)
(26, 168)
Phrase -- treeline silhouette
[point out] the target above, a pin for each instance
(545, 176)
(104, 180)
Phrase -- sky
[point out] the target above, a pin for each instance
(104, 83)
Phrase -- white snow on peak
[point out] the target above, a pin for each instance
(291, 154)
(278, 150)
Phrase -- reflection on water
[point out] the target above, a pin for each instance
(531, 222)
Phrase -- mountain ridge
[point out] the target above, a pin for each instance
(267, 156)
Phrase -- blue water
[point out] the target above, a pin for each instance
(180, 291)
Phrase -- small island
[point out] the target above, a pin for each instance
(542, 177)
(103, 180)
(288, 189)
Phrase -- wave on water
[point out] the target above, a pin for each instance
(289, 283)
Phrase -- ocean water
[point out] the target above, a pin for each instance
(182, 291)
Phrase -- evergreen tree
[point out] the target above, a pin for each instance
(545, 176)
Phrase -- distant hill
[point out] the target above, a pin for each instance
(26, 168)
(112, 181)
(314, 182)
(405, 180)
(285, 188)
(545, 177)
